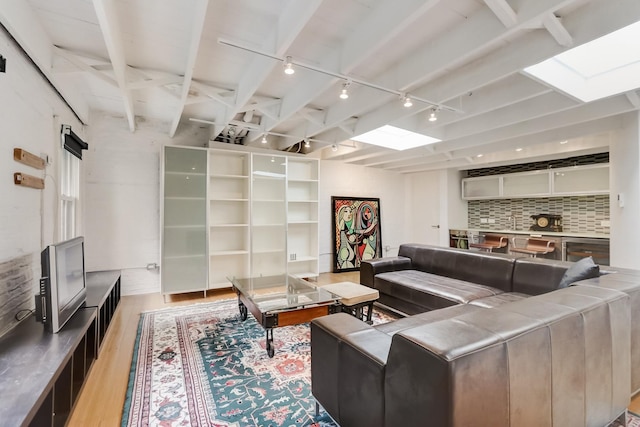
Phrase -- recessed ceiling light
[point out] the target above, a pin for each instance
(518, 149)
(564, 142)
(395, 138)
(603, 67)
(480, 155)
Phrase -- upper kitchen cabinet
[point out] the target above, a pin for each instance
(526, 184)
(571, 181)
(581, 180)
(485, 187)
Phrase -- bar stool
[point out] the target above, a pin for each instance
(533, 246)
(491, 242)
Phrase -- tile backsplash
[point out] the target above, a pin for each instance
(580, 214)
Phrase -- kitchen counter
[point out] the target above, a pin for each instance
(538, 233)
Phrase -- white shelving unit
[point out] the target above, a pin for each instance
(229, 195)
(184, 219)
(302, 217)
(229, 212)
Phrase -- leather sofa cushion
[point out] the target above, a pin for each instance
(488, 269)
(431, 291)
(535, 276)
(497, 300)
(399, 325)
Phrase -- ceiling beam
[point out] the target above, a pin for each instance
(197, 26)
(552, 23)
(109, 24)
(633, 97)
(82, 65)
(503, 11)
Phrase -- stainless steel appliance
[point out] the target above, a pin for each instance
(576, 248)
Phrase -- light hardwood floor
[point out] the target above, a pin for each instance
(102, 398)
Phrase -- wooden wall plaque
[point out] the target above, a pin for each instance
(25, 180)
(27, 158)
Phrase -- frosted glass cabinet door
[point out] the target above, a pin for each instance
(184, 237)
(268, 215)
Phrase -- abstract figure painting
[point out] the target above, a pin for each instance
(356, 232)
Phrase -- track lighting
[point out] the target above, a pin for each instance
(433, 117)
(307, 144)
(334, 147)
(407, 102)
(288, 66)
(264, 139)
(344, 94)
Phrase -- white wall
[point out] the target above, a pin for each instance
(624, 157)
(339, 179)
(30, 118)
(122, 208)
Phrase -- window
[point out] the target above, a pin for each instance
(70, 158)
(69, 194)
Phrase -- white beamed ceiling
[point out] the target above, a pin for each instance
(164, 59)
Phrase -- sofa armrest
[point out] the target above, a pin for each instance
(369, 268)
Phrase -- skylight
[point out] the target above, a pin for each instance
(395, 138)
(603, 67)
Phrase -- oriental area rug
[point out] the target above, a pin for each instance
(200, 365)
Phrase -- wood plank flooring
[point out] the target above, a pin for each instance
(102, 398)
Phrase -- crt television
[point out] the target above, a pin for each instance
(63, 286)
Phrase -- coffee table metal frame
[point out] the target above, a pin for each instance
(277, 301)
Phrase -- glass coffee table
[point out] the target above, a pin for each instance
(282, 301)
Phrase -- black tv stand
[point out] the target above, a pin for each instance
(43, 373)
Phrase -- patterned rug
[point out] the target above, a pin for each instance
(200, 365)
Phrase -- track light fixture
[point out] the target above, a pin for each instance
(264, 139)
(407, 102)
(344, 93)
(288, 66)
(334, 147)
(433, 117)
(289, 69)
(307, 144)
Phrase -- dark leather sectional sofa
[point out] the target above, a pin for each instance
(489, 340)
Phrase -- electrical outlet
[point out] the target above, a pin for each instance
(491, 221)
(605, 223)
(483, 220)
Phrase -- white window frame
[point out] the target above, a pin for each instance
(69, 193)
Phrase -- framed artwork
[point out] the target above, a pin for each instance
(356, 232)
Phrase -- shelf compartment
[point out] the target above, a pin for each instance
(228, 212)
(230, 189)
(302, 259)
(302, 212)
(228, 239)
(228, 253)
(229, 163)
(302, 169)
(221, 268)
(302, 190)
